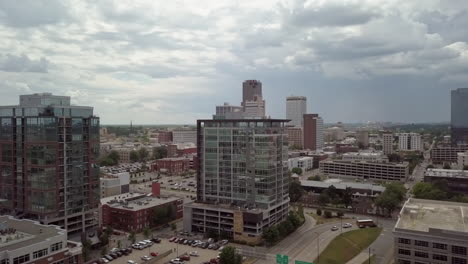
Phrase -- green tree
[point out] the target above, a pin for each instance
(394, 157)
(132, 237)
(229, 256)
(159, 215)
(347, 197)
(328, 214)
(86, 249)
(270, 235)
(425, 190)
(106, 161)
(297, 171)
(430, 166)
(104, 250)
(314, 178)
(143, 153)
(119, 243)
(146, 232)
(294, 219)
(339, 214)
(173, 226)
(465, 167)
(134, 156)
(114, 155)
(447, 166)
(295, 191)
(319, 211)
(159, 152)
(324, 198)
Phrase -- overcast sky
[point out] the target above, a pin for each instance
(168, 62)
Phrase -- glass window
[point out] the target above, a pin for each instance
(40, 253)
(6, 112)
(421, 254)
(456, 260)
(439, 246)
(459, 250)
(439, 257)
(421, 243)
(55, 247)
(403, 251)
(21, 259)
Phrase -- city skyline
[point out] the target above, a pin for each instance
(143, 62)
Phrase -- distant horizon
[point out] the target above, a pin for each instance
(333, 123)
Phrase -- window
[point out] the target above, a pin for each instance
(459, 250)
(421, 243)
(40, 253)
(458, 260)
(404, 261)
(402, 251)
(21, 259)
(5, 261)
(404, 241)
(439, 257)
(439, 246)
(421, 254)
(56, 246)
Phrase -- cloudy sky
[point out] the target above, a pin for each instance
(161, 62)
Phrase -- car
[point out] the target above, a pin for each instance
(176, 261)
(186, 242)
(109, 258)
(185, 257)
(214, 261)
(166, 226)
(334, 228)
(145, 258)
(104, 260)
(172, 239)
(119, 253)
(156, 240)
(194, 254)
(131, 262)
(154, 254)
(347, 225)
(205, 245)
(223, 242)
(113, 255)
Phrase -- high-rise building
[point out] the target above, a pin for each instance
(250, 90)
(255, 108)
(242, 180)
(48, 153)
(409, 141)
(184, 135)
(362, 138)
(296, 108)
(313, 132)
(429, 231)
(459, 116)
(387, 144)
(295, 137)
(228, 111)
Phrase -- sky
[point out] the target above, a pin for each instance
(172, 62)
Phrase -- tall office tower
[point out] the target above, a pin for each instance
(242, 180)
(296, 108)
(250, 90)
(228, 111)
(313, 132)
(362, 138)
(387, 144)
(48, 150)
(459, 116)
(255, 108)
(409, 141)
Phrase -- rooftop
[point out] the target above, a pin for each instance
(136, 201)
(23, 233)
(364, 154)
(343, 185)
(424, 215)
(446, 173)
(402, 164)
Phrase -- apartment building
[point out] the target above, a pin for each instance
(387, 143)
(429, 231)
(27, 241)
(295, 137)
(462, 160)
(296, 108)
(382, 171)
(184, 136)
(409, 142)
(449, 154)
(304, 163)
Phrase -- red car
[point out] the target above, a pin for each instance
(214, 261)
(154, 254)
(185, 257)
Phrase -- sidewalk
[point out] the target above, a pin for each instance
(359, 259)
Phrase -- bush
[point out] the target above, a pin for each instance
(328, 214)
(319, 211)
(339, 214)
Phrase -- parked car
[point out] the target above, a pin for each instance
(347, 225)
(154, 254)
(109, 258)
(104, 260)
(176, 261)
(185, 257)
(146, 258)
(131, 262)
(156, 240)
(223, 242)
(334, 228)
(172, 239)
(194, 254)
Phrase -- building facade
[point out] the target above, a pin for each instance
(296, 108)
(429, 231)
(362, 138)
(304, 163)
(456, 180)
(250, 90)
(462, 160)
(164, 137)
(313, 132)
(228, 111)
(295, 137)
(48, 152)
(27, 241)
(387, 143)
(382, 171)
(136, 211)
(242, 180)
(459, 118)
(448, 154)
(375, 156)
(409, 142)
(172, 165)
(184, 136)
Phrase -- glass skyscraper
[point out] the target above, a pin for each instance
(459, 116)
(48, 153)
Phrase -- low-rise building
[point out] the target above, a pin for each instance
(164, 137)
(462, 160)
(442, 154)
(376, 156)
(184, 136)
(358, 189)
(382, 171)
(345, 148)
(457, 180)
(136, 211)
(172, 165)
(431, 231)
(305, 163)
(27, 241)
(114, 184)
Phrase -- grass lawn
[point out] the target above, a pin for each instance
(348, 245)
(373, 260)
(322, 220)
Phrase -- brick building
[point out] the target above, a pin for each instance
(164, 136)
(295, 137)
(172, 165)
(27, 241)
(135, 211)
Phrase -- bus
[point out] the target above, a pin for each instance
(365, 223)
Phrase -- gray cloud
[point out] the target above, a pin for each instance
(13, 63)
(32, 13)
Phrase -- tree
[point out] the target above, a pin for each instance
(270, 235)
(229, 256)
(132, 237)
(347, 197)
(119, 243)
(142, 153)
(297, 171)
(146, 232)
(430, 166)
(86, 243)
(319, 211)
(339, 214)
(294, 219)
(328, 214)
(173, 226)
(332, 192)
(114, 155)
(104, 250)
(465, 167)
(159, 152)
(323, 198)
(295, 191)
(425, 190)
(447, 166)
(394, 157)
(134, 156)
(314, 178)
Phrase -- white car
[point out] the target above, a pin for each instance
(131, 262)
(347, 225)
(145, 258)
(104, 260)
(334, 228)
(194, 254)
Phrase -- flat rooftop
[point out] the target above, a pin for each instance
(343, 185)
(28, 233)
(136, 201)
(446, 173)
(423, 215)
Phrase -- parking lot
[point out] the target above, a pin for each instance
(164, 246)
